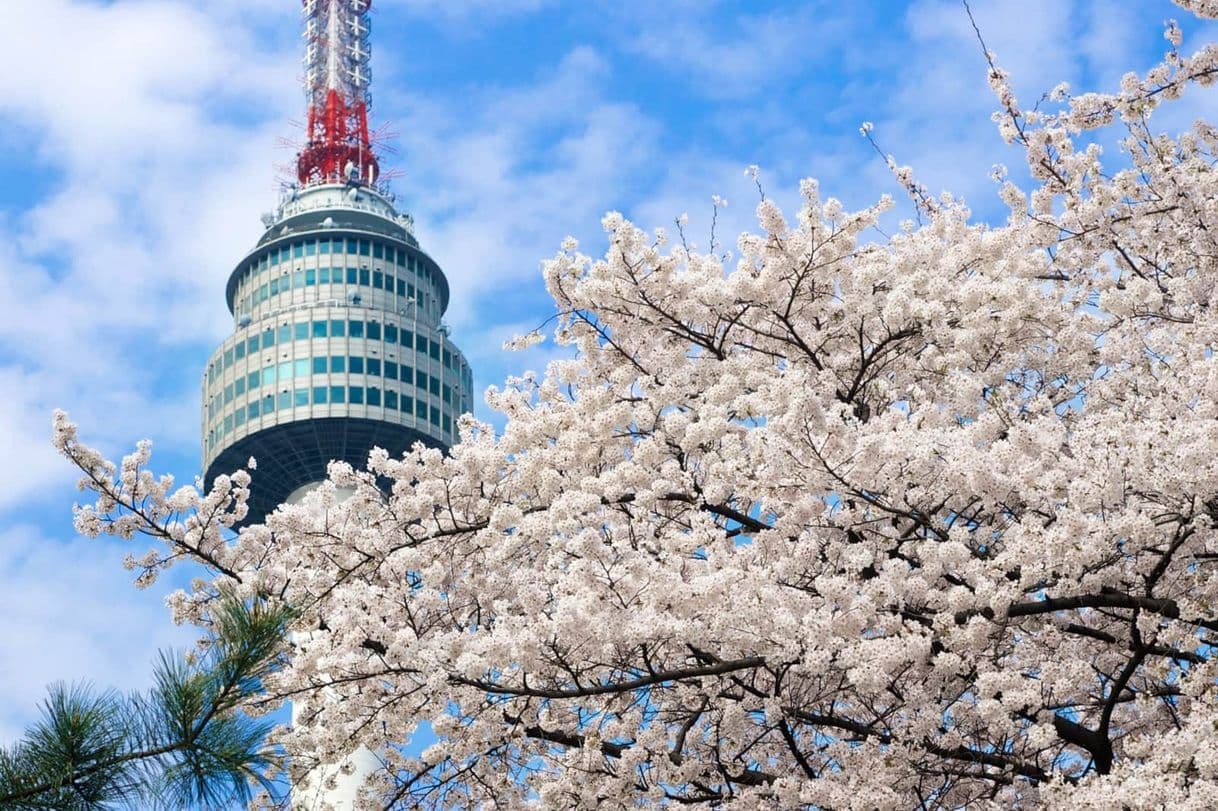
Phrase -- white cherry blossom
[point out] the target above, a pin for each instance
(837, 522)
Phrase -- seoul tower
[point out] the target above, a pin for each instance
(338, 345)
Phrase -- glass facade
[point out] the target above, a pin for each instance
(343, 325)
(349, 350)
(317, 269)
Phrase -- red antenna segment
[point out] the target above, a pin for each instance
(337, 81)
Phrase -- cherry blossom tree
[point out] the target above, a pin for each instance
(829, 519)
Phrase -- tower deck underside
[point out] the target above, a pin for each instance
(297, 453)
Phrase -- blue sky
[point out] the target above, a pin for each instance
(138, 141)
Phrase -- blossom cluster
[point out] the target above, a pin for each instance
(833, 523)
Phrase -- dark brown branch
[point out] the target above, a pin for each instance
(658, 677)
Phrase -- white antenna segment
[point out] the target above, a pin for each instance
(333, 38)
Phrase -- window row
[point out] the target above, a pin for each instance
(334, 364)
(326, 395)
(298, 279)
(300, 249)
(337, 328)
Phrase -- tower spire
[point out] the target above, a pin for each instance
(337, 81)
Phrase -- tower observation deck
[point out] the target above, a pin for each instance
(338, 345)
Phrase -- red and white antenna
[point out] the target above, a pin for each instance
(337, 80)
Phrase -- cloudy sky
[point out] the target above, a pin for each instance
(140, 140)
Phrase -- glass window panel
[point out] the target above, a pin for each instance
(298, 250)
(252, 408)
(391, 399)
(301, 330)
(356, 364)
(268, 376)
(239, 351)
(285, 333)
(301, 367)
(407, 404)
(323, 275)
(228, 423)
(420, 343)
(420, 379)
(420, 409)
(374, 331)
(355, 329)
(300, 397)
(319, 329)
(319, 366)
(352, 246)
(338, 329)
(268, 404)
(228, 358)
(338, 394)
(391, 370)
(311, 275)
(355, 395)
(352, 275)
(285, 371)
(239, 387)
(365, 247)
(252, 380)
(448, 423)
(239, 416)
(310, 248)
(401, 259)
(274, 287)
(434, 350)
(374, 366)
(285, 399)
(338, 364)
(298, 279)
(433, 385)
(320, 395)
(391, 334)
(378, 280)
(435, 416)
(364, 278)
(378, 251)
(401, 287)
(324, 247)
(374, 397)
(228, 394)
(251, 345)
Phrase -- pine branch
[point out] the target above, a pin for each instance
(184, 743)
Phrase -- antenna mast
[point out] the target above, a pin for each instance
(337, 80)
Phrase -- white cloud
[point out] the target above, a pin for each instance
(73, 618)
(497, 177)
(155, 142)
(464, 9)
(744, 57)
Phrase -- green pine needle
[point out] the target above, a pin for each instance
(185, 744)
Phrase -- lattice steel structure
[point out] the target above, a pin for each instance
(338, 344)
(337, 80)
